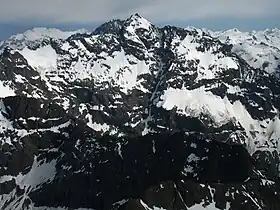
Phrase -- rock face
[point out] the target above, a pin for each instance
(132, 116)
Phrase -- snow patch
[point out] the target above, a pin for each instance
(208, 207)
(40, 173)
(199, 102)
(6, 90)
(209, 64)
(42, 58)
(19, 78)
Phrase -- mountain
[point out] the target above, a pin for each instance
(132, 116)
(259, 48)
(36, 37)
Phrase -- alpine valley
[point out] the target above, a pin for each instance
(136, 117)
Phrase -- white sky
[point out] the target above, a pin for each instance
(86, 11)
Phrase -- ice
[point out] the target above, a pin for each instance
(187, 50)
(40, 33)
(140, 22)
(136, 22)
(96, 126)
(5, 124)
(119, 148)
(121, 72)
(6, 178)
(208, 207)
(188, 169)
(44, 57)
(146, 207)
(192, 158)
(256, 47)
(66, 46)
(200, 101)
(196, 102)
(36, 35)
(193, 145)
(19, 78)
(41, 172)
(6, 90)
(259, 207)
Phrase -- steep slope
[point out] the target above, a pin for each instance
(104, 120)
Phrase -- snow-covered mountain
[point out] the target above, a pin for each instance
(259, 48)
(36, 37)
(132, 116)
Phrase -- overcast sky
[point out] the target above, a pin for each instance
(19, 15)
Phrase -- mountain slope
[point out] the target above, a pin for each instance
(33, 38)
(103, 120)
(259, 48)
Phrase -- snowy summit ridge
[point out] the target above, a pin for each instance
(259, 48)
(114, 118)
(37, 35)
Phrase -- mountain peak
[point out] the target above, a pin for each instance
(136, 15)
(137, 21)
(110, 27)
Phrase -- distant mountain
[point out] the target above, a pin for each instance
(36, 36)
(132, 116)
(259, 48)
